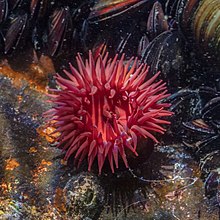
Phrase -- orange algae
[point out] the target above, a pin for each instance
(11, 164)
(36, 75)
(48, 132)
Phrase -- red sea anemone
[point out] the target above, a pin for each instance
(104, 107)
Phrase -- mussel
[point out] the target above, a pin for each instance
(15, 32)
(105, 9)
(166, 54)
(199, 21)
(157, 22)
(4, 10)
(60, 21)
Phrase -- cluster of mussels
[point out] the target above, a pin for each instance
(181, 38)
(153, 30)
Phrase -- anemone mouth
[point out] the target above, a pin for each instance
(104, 107)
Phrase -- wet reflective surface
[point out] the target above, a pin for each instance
(181, 179)
(37, 184)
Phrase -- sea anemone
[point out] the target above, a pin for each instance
(104, 107)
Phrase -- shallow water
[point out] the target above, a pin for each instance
(180, 179)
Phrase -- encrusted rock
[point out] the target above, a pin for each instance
(84, 197)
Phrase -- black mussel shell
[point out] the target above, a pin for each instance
(170, 7)
(60, 22)
(212, 109)
(212, 187)
(3, 10)
(104, 10)
(198, 125)
(185, 14)
(15, 32)
(38, 8)
(14, 3)
(156, 23)
(2, 43)
(166, 54)
(143, 43)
